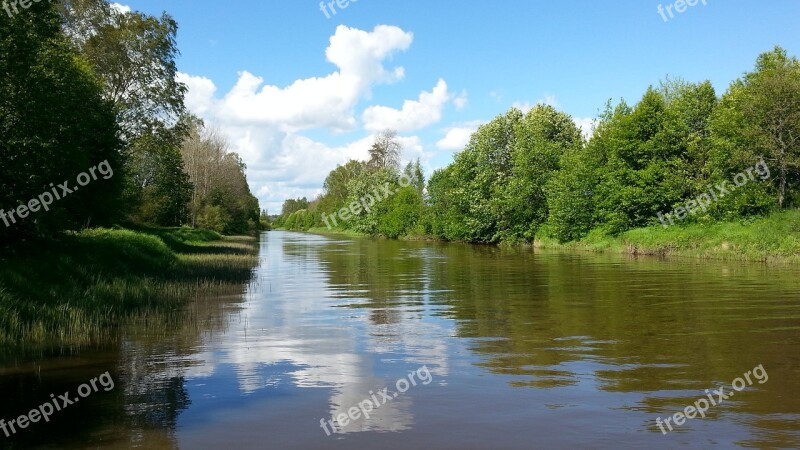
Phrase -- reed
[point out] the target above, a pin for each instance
(82, 289)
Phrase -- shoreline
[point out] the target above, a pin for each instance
(81, 288)
(774, 239)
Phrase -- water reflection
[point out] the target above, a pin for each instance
(299, 318)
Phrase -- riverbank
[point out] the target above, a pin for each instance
(78, 289)
(772, 239)
(335, 232)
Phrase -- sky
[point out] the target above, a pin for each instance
(298, 90)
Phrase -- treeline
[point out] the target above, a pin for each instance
(526, 176)
(378, 197)
(82, 82)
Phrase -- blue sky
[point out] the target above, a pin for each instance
(453, 64)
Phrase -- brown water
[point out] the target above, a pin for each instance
(509, 348)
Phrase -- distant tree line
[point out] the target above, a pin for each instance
(82, 82)
(395, 215)
(527, 175)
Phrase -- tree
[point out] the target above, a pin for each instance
(203, 151)
(646, 164)
(134, 55)
(335, 186)
(413, 171)
(759, 118)
(293, 205)
(43, 82)
(385, 151)
(220, 194)
(571, 195)
(541, 138)
(161, 188)
(467, 194)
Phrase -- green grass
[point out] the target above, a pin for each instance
(336, 232)
(775, 238)
(80, 289)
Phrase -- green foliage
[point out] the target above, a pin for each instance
(470, 197)
(43, 82)
(301, 220)
(759, 118)
(413, 171)
(293, 205)
(159, 186)
(530, 176)
(399, 214)
(543, 136)
(640, 161)
(369, 185)
(134, 55)
(213, 218)
(571, 199)
(219, 196)
(336, 185)
(642, 174)
(495, 189)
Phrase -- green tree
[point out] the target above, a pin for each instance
(571, 197)
(413, 171)
(467, 194)
(399, 214)
(43, 82)
(134, 55)
(759, 118)
(542, 137)
(335, 188)
(645, 170)
(160, 186)
(293, 205)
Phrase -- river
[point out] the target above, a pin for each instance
(362, 343)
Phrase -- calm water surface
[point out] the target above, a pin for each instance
(511, 349)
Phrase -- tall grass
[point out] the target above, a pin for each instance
(80, 289)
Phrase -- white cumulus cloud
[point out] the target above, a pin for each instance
(414, 115)
(263, 121)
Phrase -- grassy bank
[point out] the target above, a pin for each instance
(78, 289)
(775, 238)
(336, 232)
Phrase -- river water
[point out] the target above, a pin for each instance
(442, 346)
